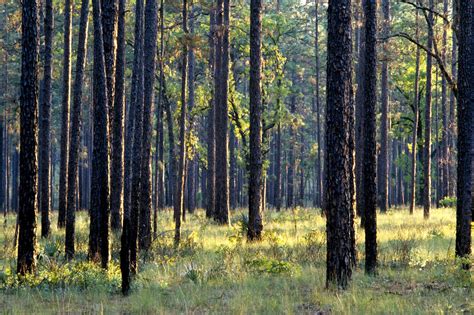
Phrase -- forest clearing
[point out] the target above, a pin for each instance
(215, 270)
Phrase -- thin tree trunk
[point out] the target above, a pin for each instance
(137, 103)
(415, 125)
(116, 188)
(383, 162)
(427, 152)
(66, 98)
(151, 32)
(100, 207)
(255, 225)
(76, 129)
(44, 138)
(179, 190)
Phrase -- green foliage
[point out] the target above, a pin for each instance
(448, 202)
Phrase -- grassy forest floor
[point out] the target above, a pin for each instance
(216, 271)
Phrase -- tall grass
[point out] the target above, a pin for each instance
(216, 271)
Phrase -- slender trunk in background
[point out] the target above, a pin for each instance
(445, 112)
(211, 149)
(233, 169)
(191, 197)
(160, 121)
(339, 199)
(384, 120)
(172, 159)
(44, 142)
(66, 98)
(26, 260)
(452, 110)
(359, 127)
(137, 103)
(255, 225)
(277, 189)
(318, 175)
(99, 223)
(290, 202)
(151, 32)
(76, 122)
(117, 168)
(179, 189)
(415, 123)
(427, 152)
(465, 130)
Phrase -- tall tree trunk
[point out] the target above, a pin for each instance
(116, 189)
(445, 112)
(221, 113)
(211, 149)
(255, 225)
(191, 198)
(384, 121)
(160, 121)
(427, 152)
(179, 189)
(66, 98)
(99, 223)
(415, 124)
(359, 127)
(76, 129)
(233, 169)
(318, 174)
(340, 203)
(290, 203)
(452, 107)
(44, 138)
(151, 32)
(277, 190)
(369, 172)
(465, 130)
(26, 262)
(137, 103)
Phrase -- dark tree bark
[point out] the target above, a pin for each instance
(452, 118)
(116, 189)
(137, 103)
(415, 124)
(172, 148)
(369, 171)
(255, 225)
(26, 262)
(384, 120)
(211, 150)
(465, 130)
(76, 129)
(44, 141)
(100, 207)
(109, 28)
(151, 32)
(179, 189)
(66, 99)
(221, 121)
(427, 140)
(339, 198)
